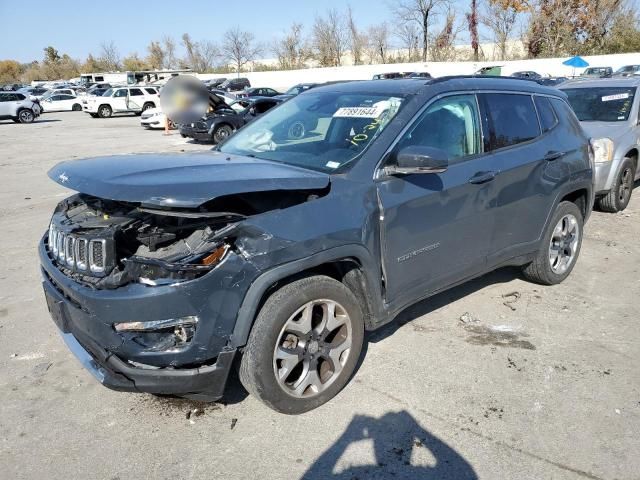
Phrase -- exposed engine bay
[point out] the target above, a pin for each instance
(106, 244)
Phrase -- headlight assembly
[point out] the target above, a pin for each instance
(602, 149)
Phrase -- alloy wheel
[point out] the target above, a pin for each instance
(26, 116)
(312, 348)
(564, 244)
(626, 185)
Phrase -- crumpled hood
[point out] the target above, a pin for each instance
(182, 180)
(612, 130)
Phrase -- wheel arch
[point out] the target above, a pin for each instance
(580, 197)
(351, 265)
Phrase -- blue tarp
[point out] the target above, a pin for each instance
(576, 62)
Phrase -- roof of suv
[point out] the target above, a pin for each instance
(603, 82)
(414, 86)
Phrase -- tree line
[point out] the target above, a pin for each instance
(417, 30)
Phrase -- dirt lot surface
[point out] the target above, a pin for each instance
(497, 379)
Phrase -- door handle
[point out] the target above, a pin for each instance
(483, 177)
(551, 156)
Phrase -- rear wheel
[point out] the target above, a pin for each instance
(560, 247)
(304, 345)
(76, 107)
(26, 116)
(620, 194)
(105, 111)
(221, 133)
(94, 115)
(147, 106)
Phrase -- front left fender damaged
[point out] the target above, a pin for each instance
(252, 300)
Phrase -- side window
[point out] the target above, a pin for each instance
(19, 96)
(55, 98)
(67, 97)
(547, 116)
(451, 124)
(135, 92)
(99, 79)
(151, 91)
(565, 113)
(512, 118)
(121, 93)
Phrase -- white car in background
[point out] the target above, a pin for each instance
(18, 107)
(155, 118)
(135, 99)
(61, 103)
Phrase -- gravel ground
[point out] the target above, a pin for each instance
(478, 382)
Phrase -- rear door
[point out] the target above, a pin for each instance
(526, 158)
(436, 228)
(5, 104)
(135, 100)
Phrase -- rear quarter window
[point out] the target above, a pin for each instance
(547, 116)
(512, 119)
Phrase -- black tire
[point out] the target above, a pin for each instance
(147, 106)
(26, 115)
(541, 270)
(620, 194)
(105, 111)
(94, 115)
(76, 107)
(257, 366)
(221, 133)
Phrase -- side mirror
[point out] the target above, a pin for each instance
(418, 159)
(252, 111)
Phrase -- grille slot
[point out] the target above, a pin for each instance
(80, 254)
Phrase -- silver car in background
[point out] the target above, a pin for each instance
(609, 111)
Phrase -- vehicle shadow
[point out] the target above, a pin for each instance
(11, 122)
(502, 275)
(402, 449)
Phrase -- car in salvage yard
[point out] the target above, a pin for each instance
(17, 107)
(61, 102)
(121, 100)
(220, 124)
(278, 253)
(609, 111)
(154, 118)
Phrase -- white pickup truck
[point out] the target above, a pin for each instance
(134, 99)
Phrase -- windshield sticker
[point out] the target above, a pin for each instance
(359, 112)
(619, 96)
(332, 165)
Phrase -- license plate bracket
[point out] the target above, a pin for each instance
(57, 309)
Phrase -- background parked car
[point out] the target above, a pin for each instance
(155, 118)
(527, 74)
(121, 100)
(296, 90)
(219, 125)
(215, 82)
(258, 92)
(608, 110)
(235, 84)
(36, 92)
(18, 107)
(627, 71)
(550, 81)
(597, 72)
(61, 102)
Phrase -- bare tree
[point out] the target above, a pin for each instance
(443, 45)
(330, 39)
(291, 49)
(379, 42)
(239, 48)
(200, 56)
(407, 33)
(109, 56)
(156, 56)
(500, 18)
(356, 39)
(472, 20)
(422, 13)
(169, 52)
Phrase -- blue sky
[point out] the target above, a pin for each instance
(80, 29)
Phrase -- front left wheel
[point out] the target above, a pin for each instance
(304, 345)
(618, 198)
(26, 116)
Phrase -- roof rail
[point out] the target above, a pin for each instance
(492, 77)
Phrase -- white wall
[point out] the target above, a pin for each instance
(282, 80)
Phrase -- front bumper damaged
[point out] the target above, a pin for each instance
(86, 318)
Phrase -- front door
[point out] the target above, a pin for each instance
(436, 228)
(119, 100)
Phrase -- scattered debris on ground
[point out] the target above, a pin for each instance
(467, 317)
(510, 299)
(233, 423)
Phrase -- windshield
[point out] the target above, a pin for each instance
(321, 131)
(601, 104)
(107, 93)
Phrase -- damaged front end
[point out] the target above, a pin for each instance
(107, 244)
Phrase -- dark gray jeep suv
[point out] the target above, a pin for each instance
(276, 253)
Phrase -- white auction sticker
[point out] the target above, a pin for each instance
(332, 165)
(359, 112)
(619, 96)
